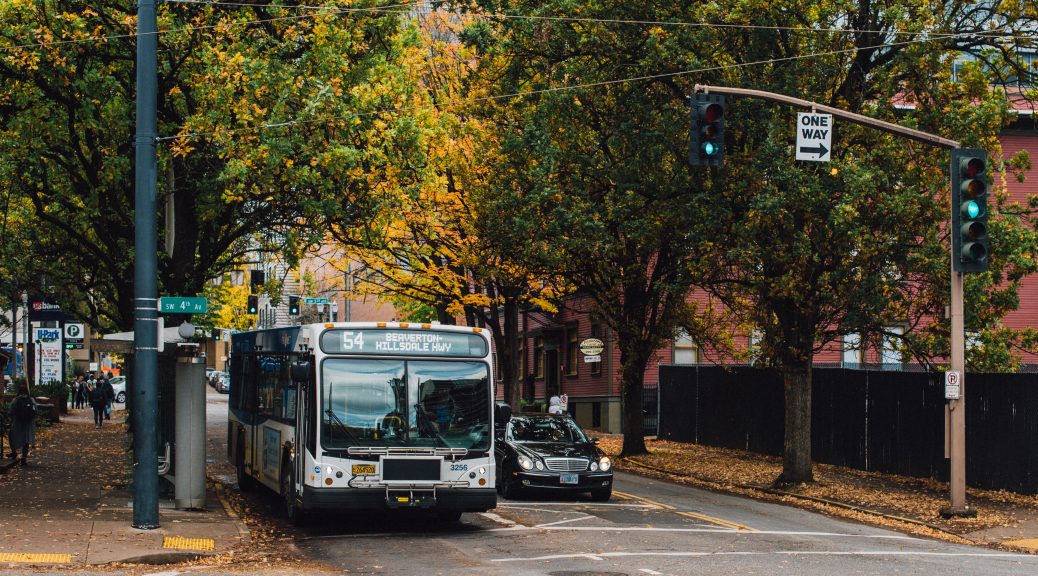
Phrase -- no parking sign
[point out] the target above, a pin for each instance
(952, 384)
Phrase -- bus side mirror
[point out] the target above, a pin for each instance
(502, 414)
(300, 371)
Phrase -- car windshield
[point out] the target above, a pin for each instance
(405, 403)
(545, 430)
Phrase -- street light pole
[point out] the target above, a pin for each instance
(145, 326)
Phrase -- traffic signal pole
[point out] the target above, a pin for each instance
(955, 434)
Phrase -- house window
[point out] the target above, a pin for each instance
(571, 349)
(890, 356)
(753, 349)
(538, 357)
(596, 332)
(852, 351)
(685, 351)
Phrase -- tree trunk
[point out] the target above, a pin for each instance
(632, 385)
(796, 454)
(510, 361)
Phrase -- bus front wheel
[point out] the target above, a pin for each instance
(292, 511)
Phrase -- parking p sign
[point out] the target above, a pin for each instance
(952, 384)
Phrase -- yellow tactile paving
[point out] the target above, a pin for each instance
(180, 543)
(1031, 543)
(30, 558)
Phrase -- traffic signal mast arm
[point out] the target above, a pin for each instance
(912, 133)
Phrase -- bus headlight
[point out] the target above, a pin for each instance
(525, 463)
(605, 464)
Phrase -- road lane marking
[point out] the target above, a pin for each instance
(577, 519)
(498, 519)
(871, 553)
(583, 504)
(742, 533)
(696, 515)
(653, 572)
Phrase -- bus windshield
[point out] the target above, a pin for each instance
(407, 403)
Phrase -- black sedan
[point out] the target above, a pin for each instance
(550, 452)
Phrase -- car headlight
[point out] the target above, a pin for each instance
(594, 466)
(525, 463)
(605, 464)
(539, 465)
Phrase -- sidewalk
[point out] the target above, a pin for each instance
(72, 505)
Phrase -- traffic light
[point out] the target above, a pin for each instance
(216, 334)
(706, 145)
(253, 304)
(293, 305)
(256, 278)
(970, 246)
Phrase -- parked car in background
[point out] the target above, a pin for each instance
(222, 382)
(550, 452)
(119, 387)
(209, 374)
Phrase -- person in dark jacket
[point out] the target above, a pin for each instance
(98, 400)
(106, 387)
(23, 424)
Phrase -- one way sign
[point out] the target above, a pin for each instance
(814, 136)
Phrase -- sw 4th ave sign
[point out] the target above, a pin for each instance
(814, 136)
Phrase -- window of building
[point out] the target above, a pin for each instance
(753, 348)
(890, 356)
(572, 353)
(685, 350)
(852, 351)
(538, 357)
(596, 332)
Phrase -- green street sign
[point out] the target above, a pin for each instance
(315, 300)
(182, 305)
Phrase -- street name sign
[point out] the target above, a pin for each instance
(952, 384)
(315, 300)
(183, 305)
(814, 136)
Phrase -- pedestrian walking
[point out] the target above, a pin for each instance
(82, 392)
(77, 384)
(97, 400)
(106, 387)
(23, 424)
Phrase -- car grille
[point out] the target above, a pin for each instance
(566, 464)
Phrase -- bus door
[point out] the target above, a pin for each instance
(301, 370)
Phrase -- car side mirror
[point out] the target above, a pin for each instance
(502, 414)
(594, 441)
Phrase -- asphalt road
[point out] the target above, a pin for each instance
(649, 527)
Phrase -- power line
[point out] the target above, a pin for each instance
(384, 10)
(457, 102)
(393, 9)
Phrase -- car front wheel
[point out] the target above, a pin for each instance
(121, 397)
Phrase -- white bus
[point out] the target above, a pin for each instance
(361, 416)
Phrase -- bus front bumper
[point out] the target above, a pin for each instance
(462, 500)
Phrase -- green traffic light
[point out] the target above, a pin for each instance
(971, 209)
(709, 148)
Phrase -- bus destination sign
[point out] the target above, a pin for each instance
(404, 343)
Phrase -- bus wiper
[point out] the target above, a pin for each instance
(340, 425)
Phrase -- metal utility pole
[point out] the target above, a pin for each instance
(145, 326)
(956, 409)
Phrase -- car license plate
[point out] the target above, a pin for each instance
(359, 469)
(569, 479)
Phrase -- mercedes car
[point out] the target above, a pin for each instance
(550, 452)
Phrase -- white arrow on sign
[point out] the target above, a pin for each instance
(814, 136)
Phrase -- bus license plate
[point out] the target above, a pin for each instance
(359, 469)
(569, 479)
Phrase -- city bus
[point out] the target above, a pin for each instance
(365, 416)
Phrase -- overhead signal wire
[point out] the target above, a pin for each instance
(404, 9)
(460, 101)
(206, 27)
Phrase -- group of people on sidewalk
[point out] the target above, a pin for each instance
(98, 393)
(22, 412)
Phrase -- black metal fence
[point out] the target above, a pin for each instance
(881, 421)
(650, 409)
